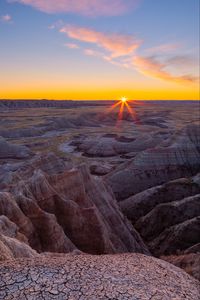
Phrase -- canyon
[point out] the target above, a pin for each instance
(85, 197)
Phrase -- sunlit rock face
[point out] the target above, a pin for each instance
(59, 208)
(13, 244)
(175, 158)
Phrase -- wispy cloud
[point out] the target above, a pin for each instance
(115, 44)
(182, 61)
(6, 18)
(84, 7)
(91, 52)
(121, 50)
(149, 66)
(56, 25)
(72, 46)
(164, 48)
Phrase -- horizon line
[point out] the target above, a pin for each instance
(43, 99)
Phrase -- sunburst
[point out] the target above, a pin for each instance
(124, 99)
(124, 105)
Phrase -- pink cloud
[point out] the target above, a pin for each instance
(149, 66)
(120, 50)
(6, 18)
(117, 45)
(85, 7)
(91, 52)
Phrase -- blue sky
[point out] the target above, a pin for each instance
(56, 49)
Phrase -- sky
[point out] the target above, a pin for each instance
(99, 49)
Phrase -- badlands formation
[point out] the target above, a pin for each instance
(94, 208)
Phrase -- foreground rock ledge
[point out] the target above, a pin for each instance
(124, 276)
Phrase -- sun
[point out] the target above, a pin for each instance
(125, 107)
(124, 99)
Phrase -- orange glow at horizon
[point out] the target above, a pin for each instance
(60, 93)
(124, 99)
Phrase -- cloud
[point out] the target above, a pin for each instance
(121, 50)
(164, 48)
(6, 19)
(83, 7)
(182, 61)
(91, 52)
(72, 46)
(149, 66)
(56, 25)
(117, 45)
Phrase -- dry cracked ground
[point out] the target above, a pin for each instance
(120, 277)
(78, 190)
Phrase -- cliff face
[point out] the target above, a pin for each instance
(167, 216)
(142, 203)
(159, 194)
(59, 208)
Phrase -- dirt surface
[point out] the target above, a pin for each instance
(125, 276)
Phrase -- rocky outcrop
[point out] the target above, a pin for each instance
(107, 145)
(177, 238)
(168, 222)
(193, 249)
(166, 215)
(10, 209)
(8, 150)
(188, 262)
(125, 276)
(100, 169)
(177, 157)
(142, 203)
(13, 244)
(11, 248)
(60, 208)
(10, 229)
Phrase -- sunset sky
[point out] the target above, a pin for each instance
(99, 49)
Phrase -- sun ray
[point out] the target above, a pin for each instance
(128, 106)
(113, 106)
(132, 113)
(120, 114)
(121, 111)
